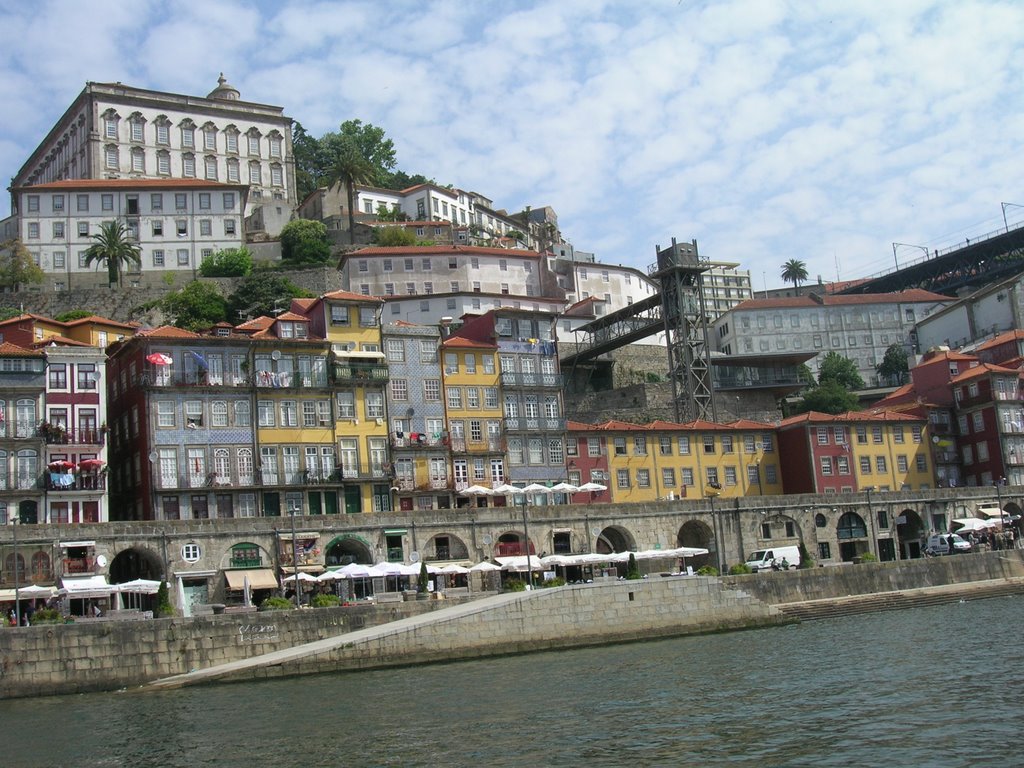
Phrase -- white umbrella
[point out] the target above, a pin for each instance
(391, 569)
(413, 569)
(454, 568)
(505, 489)
(484, 566)
(356, 571)
(564, 488)
(536, 488)
(519, 563)
(139, 586)
(593, 487)
(476, 490)
(968, 524)
(331, 576)
(36, 591)
(301, 576)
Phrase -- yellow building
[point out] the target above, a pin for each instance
(889, 450)
(351, 324)
(473, 412)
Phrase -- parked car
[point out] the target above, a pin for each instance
(939, 544)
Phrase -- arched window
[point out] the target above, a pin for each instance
(28, 469)
(222, 466)
(4, 473)
(210, 137)
(851, 526)
(255, 173)
(243, 414)
(219, 413)
(25, 414)
(40, 567)
(233, 172)
(188, 165)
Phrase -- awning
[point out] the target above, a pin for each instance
(66, 544)
(86, 586)
(259, 578)
(360, 355)
(395, 531)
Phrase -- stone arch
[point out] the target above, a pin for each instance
(136, 563)
(852, 533)
(511, 544)
(613, 539)
(445, 546)
(346, 549)
(911, 533)
(697, 534)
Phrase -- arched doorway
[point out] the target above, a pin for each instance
(699, 535)
(614, 539)
(512, 544)
(445, 546)
(852, 533)
(348, 549)
(911, 533)
(136, 563)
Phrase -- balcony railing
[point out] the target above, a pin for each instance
(516, 379)
(85, 482)
(286, 379)
(490, 445)
(421, 441)
(522, 423)
(55, 435)
(361, 373)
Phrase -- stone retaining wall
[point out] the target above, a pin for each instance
(794, 586)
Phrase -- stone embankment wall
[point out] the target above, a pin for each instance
(60, 659)
(108, 655)
(777, 587)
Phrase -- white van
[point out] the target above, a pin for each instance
(938, 544)
(780, 557)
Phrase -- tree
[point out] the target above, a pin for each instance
(230, 262)
(369, 142)
(112, 247)
(393, 236)
(351, 167)
(828, 397)
(260, 294)
(196, 306)
(835, 367)
(311, 165)
(17, 267)
(894, 366)
(394, 213)
(794, 271)
(304, 241)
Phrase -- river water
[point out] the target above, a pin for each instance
(929, 686)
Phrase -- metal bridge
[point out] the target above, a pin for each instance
(987, 259)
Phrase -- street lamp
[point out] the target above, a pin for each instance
(295, 561)
(907, 245)
(872, 522)
(999, 497)
(17, 570)
(1012, 205)
(526, 534)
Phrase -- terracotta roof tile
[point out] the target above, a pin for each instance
(169, 332)
(13, 350)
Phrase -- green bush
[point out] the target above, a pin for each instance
(276, 604)
(806, 561)
(515, 585)
(47, 616)
(163, 601)
(707, 570)
(558, 581)
(304, 241)
(230, 262)
(633, 569)
(325, 601)
(739, 569)
(867, 557)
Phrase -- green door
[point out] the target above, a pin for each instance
(272, 504)
(353, 501)
(331, 502)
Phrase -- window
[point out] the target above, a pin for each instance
(880, 464)
(165, 413)
(183, 258)
(399, 390)
(622, 478)
(158, 258)
(876, 435)
(86, 375)
(684, 445)
(643, 478)
(593, 446)
(58, 376)
(668, 477)
(454, 395)
(640, 445)
(709, 443)
(374, 405)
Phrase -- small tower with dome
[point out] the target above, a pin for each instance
(224, 91)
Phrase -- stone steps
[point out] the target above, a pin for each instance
(892, 601)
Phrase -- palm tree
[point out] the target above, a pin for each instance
(351, 168)
(794, 271)
(112, 247)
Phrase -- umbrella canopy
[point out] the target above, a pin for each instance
(91, 464)
(968, 524)
(454, 568)
(536, 488)
(301, 576)
(593, 487)
(564, 488)
(60, 465)
(519, 563)
(476, 490)
(159, 358)
(484, 567)
(356, 571)
(392, 569)
(330, 576)
(139, 587)
(505, 488)
(36, 591)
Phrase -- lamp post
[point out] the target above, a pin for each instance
(1006, 226)
(999, 497)
(526, 534)
(17, 570)
(907, 245)
(871, 522)
(295, 561)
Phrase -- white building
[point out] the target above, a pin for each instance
(983, 315)
(175, 222)
(115, 131)
(858, 327)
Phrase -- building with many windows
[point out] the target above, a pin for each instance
(175, 222)
(22, 450)
(116, 131)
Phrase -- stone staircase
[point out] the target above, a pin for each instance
(892, 601)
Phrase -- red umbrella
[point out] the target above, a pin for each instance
(159, 358)
(91, 464)
(59, 465)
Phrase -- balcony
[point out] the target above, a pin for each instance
(532, 424)
(19, 429)
(533, 380)
(368, 374)
(417, 440)
(166, 376)
(54, 434)
(82, 482)
(490, 445)
(286, 379)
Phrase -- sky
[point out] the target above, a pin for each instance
(765, 130)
